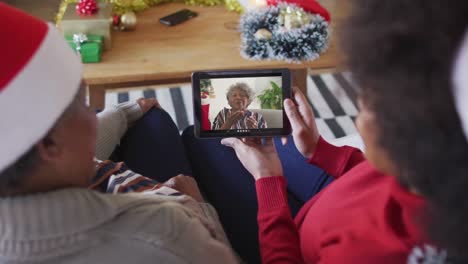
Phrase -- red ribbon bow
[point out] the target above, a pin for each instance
(87, 7)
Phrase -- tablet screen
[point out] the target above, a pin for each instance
(242, 104)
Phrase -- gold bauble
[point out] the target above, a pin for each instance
(263, 33)
(292, 17)
(128, 21)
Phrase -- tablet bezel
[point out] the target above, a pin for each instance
(268, 132)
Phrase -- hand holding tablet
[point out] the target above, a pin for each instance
(241, 103)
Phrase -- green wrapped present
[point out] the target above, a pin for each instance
(98, 24)
(88, 46)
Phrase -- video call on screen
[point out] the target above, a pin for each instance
(241, 104)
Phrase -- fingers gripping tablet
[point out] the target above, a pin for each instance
(241, 103)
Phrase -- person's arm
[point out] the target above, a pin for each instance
(113, 122)
(279, 238)
(278, 235)
(190, 239)
(334, 160)
(212, 216)
(112, 125)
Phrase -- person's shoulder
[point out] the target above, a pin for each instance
(143, 229)
(161, 224)
(153, 203)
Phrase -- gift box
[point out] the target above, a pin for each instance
(89, 46)
(98, 24)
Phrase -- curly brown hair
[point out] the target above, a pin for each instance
(401, 53)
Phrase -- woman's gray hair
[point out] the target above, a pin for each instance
(243, 87)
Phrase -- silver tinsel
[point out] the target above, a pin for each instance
(292, 44)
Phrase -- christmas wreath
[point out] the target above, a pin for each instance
(284, 31)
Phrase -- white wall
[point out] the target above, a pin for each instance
(221, 86)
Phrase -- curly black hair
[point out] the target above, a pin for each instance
(401, 53)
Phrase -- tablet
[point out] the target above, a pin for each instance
(241, 103)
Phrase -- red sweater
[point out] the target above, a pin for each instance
(362, 217)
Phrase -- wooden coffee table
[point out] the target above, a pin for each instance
(156, 54)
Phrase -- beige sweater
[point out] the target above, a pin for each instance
(84, 226)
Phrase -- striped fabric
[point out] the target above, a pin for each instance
(333, 96)
(117, 178)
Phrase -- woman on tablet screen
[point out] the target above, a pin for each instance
(239, 97)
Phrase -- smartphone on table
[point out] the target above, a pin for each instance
(178, 17)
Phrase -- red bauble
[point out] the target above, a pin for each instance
(87, 7)
(204, 95)
(115, 20)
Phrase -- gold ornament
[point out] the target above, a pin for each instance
(128, 21)
(123, 6)
(263, 33)
(293, 17)
(234, 5)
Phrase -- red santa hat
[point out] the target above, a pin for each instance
(39, 77)
(460, 88)
(311, 6)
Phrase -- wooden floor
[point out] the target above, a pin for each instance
(44, 9)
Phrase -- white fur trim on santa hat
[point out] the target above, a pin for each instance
(460, 89)
(37, 96)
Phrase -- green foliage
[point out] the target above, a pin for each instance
(271, 98)
(205, 85)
